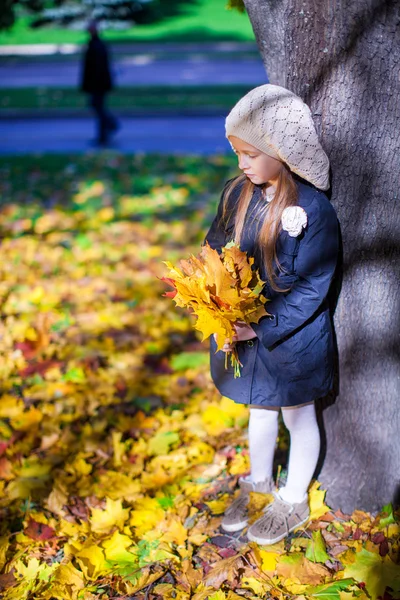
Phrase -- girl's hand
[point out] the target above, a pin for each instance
(243, 332)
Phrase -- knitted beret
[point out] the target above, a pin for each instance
(276, 121)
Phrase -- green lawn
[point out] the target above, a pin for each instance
(201, 21)
(157, 97)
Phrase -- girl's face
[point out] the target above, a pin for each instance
(258, 166)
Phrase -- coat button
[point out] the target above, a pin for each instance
(250, 343)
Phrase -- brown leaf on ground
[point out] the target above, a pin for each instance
(342, 516)
(297, 567)
(7, 580)
(336, 550)
(327, 517)
(225, 570)
(330, 538)
(208, 553)
(189, 578)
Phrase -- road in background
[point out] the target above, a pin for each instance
(167, 135)
(135, 70)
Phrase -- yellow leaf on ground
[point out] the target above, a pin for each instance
(256, 585)
(203, 592)
(4, 544)
(102, 520)
(269, 560)
(92, 562)
(145, 520)
(375, 571)
(240, 464)
(67, 575)
(26, 419)
(220, 595)
(115, 548)
(316, 500)
(175, 531)
(11, 406)
(56, 500)
(143, 579)
(218, 507)
(33, 569)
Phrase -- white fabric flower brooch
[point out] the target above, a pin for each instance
(294, 218)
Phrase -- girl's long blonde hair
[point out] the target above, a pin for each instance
(270, 213)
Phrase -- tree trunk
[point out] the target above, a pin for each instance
(343, 59)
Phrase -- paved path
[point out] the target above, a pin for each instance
(30, 50)
(142, 69)
(193, 135)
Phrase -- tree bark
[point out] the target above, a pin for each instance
(343, 59)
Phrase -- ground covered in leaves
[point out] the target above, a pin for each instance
(117, 454)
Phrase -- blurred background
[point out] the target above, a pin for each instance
(112, 160)
(176, 68)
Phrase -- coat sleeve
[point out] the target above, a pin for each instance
(315, 267)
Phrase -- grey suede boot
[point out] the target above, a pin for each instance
(236, 515)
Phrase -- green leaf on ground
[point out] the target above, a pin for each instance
(316, 549)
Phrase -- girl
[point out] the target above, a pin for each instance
(277, 213)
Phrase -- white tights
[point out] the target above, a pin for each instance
(305, 442)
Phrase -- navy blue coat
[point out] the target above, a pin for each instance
(291, 361)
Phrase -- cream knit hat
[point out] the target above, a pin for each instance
(277, 122)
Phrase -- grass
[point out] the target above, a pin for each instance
(196, 21)
(31, 183)
(155, 97)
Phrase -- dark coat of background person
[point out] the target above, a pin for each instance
(97, 81)
(96, 75)
(291, 361)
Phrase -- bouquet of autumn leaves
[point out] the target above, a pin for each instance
(220, 289)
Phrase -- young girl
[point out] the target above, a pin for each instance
(277, 213)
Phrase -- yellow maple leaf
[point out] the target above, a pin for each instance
(102, 520)
(66, 575)
(217, 507)
(11, 406)
(73, 530)
(316, 500)
(56, 500)
(240, 464)
(256, 585)
(4, 545)
(33, 569)
(115, 548)
(269, 560)
(375, 571)
(220, 595)
(92, 562)
(174, 531)
(146, 515)
(27, 419)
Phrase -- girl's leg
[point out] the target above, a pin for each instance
(305, 442)
(263, 433)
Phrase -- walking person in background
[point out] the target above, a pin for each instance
(97, 82)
